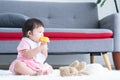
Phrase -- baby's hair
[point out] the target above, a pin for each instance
(30, 24)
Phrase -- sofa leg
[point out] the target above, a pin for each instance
(91, 58)
(116, 60)
(107, 62)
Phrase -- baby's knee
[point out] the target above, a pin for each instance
(18, 67)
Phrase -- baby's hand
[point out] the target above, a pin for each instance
(44, 39)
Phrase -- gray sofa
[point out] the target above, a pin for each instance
(73, 28)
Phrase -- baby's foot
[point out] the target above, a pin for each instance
(48, 71)
(39, 73)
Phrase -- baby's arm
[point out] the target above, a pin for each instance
(44, 40)
(44, 49)
(31, 52)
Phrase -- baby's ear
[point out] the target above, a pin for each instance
(29, 33)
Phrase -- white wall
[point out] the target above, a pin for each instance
(107, 9)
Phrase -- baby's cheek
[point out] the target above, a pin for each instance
(37, 39)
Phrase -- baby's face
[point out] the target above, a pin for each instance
(37, 33)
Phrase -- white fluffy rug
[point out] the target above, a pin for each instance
(105, 75)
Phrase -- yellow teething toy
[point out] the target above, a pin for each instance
(44, 39)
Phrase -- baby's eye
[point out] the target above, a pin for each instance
(41, 32)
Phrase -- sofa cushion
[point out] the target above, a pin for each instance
(62, 34)
(12, 20)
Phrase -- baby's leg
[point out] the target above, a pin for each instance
(22, 69)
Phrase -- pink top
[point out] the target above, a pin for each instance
(27, 43)
(36, 63)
